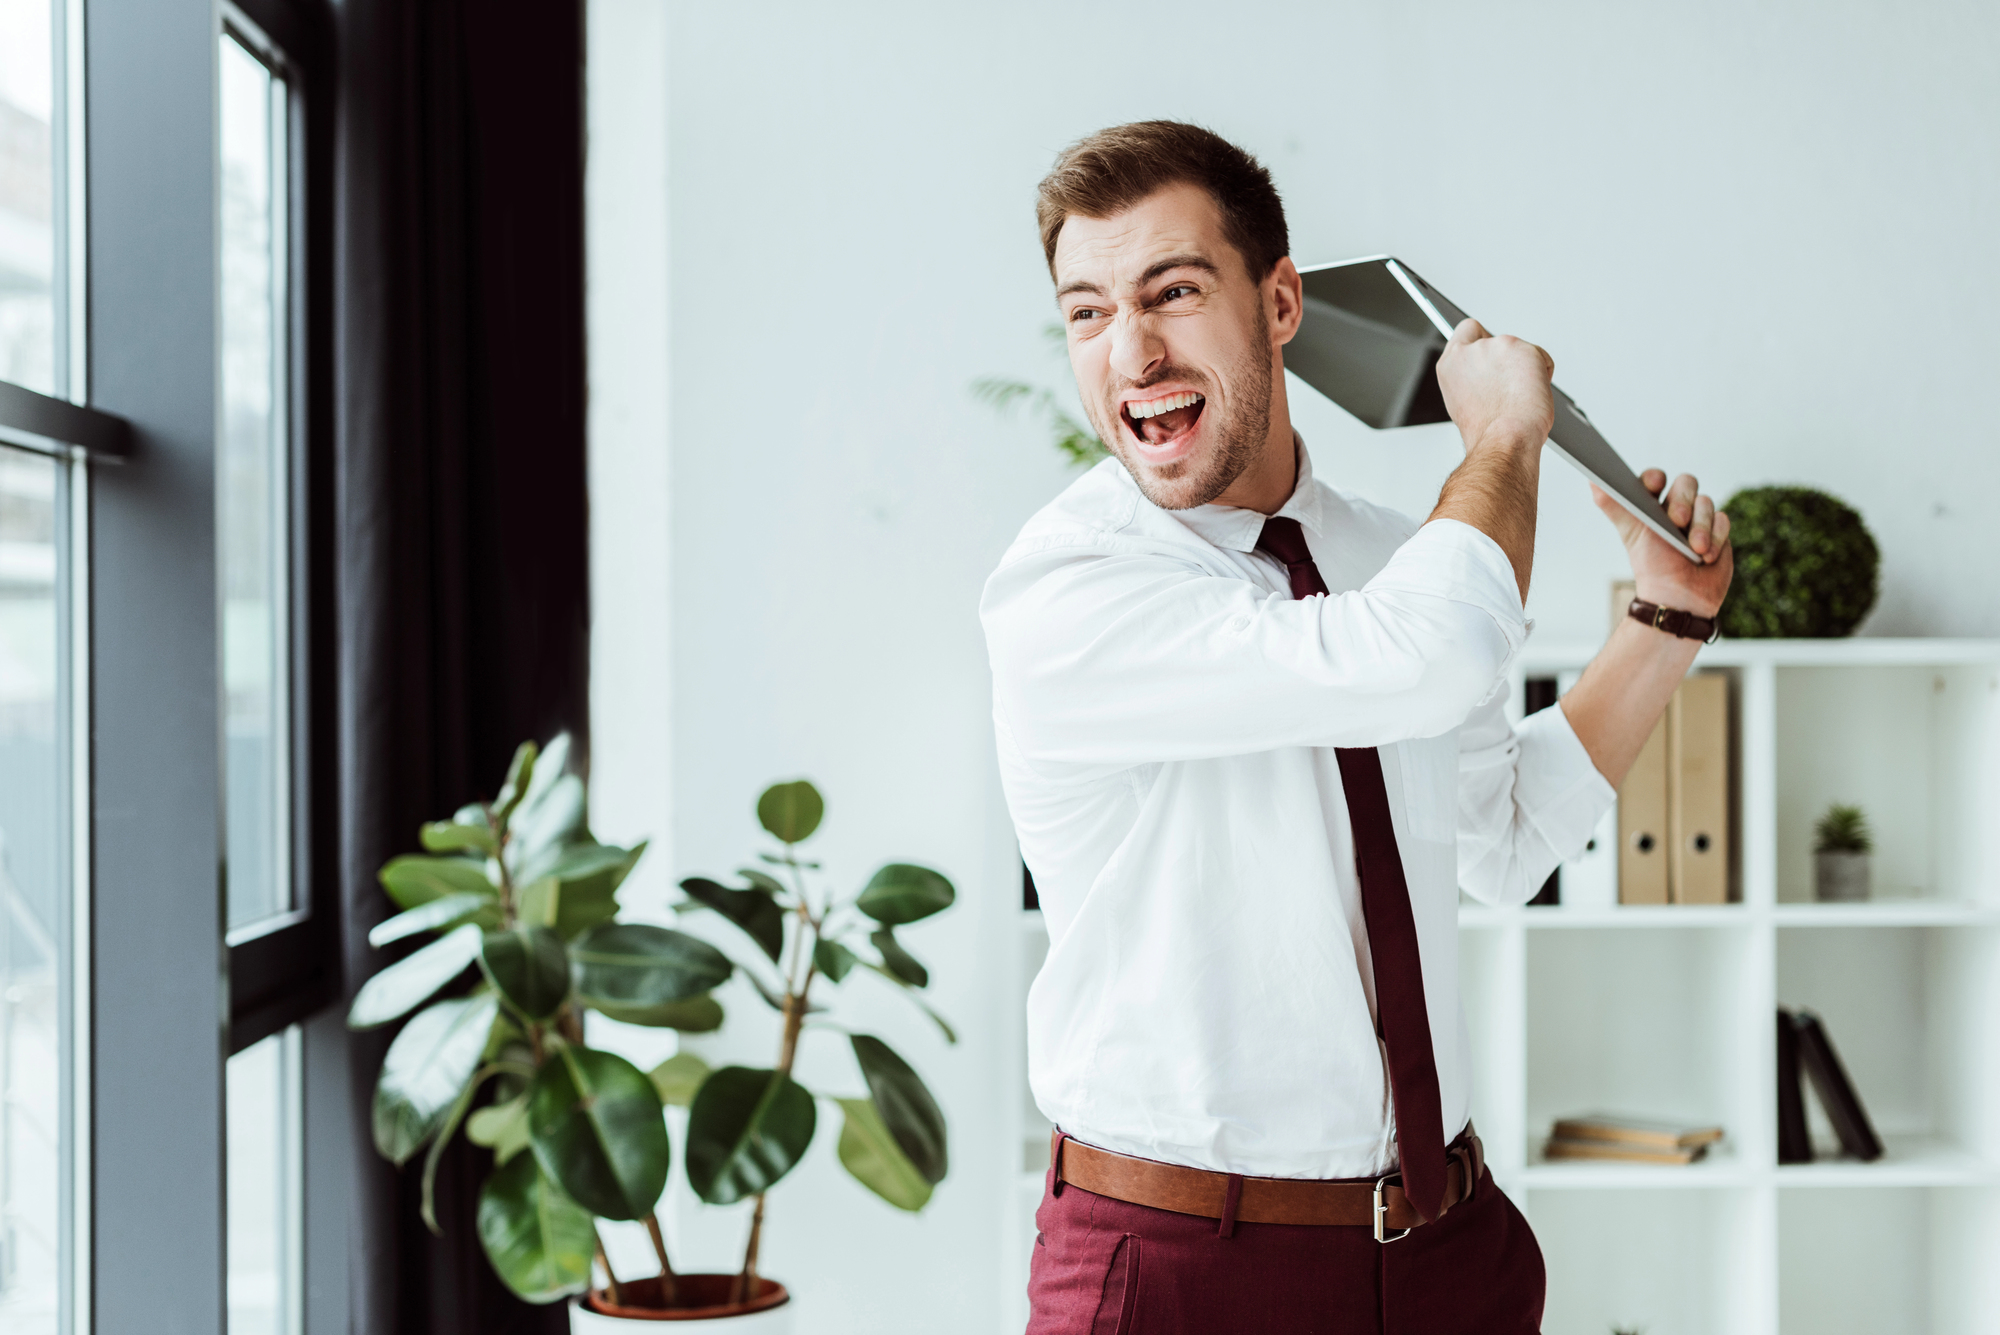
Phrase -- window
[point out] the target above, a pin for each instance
(253, 492)
(42, 479)
(265, 1212)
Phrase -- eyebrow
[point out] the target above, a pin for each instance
(1153, 270)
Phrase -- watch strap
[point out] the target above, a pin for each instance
(1674, 621)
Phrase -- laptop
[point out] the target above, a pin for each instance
(1370, 341)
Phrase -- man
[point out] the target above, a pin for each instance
(1251, 731)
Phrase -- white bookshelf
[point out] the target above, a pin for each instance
(1670, 1011)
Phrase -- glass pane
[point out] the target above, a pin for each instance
(27, 195)
(264, 1180)
(33, 971)
(252, 489)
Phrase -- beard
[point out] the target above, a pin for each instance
(1239, 431)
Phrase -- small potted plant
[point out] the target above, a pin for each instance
(518, 887)
(1841, 845)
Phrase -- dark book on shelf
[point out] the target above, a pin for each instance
(1538, 694)
(1794, 1143)
(1836, 1093)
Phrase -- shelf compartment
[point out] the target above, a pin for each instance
(1665, 1262)
(1916, 748)
(1896, 1262)
(1645, 1023)
(1911, 1012)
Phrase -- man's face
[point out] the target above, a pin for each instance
(1172, 342)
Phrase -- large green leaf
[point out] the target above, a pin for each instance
(398, 988)
(520, 775)
(679, 1078)
(631, 970)
(696, 1015)
(871, 1154)
(832, 959)
(450, 836)
(791, 811)
(897, 960)
(907, 1108)
(501, 1127)
(539, 1241)
(595, 1122)
(755, 911)
(414, 879)
(746, 1130)
(439, 913)
(551, 817)
(430, 1063)
(529, 966)
(901, 893)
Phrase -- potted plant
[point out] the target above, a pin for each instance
(1841, 845)
(519, 888)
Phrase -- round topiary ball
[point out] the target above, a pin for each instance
(1806, 566)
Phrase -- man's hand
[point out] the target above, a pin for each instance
(1666, 577)
(1496, 389)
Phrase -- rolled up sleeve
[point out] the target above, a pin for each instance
(1105, 655)
(1529, 798)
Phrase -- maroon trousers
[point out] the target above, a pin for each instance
(1106, 1267)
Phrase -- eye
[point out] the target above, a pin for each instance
(1084, 313)
(1178, 290)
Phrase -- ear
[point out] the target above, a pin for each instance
(1284, 300)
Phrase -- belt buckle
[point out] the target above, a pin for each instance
(1382, 1211)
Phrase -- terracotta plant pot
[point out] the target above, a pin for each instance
(1840, 878)
(704, 1305)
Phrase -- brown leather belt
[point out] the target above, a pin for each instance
(1235, 1199)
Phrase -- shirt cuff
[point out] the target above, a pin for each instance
(1556, 785)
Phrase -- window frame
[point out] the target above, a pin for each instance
(280, 976)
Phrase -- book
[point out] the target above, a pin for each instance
(1698, 790)
(1639, 1132)
(1621, 1152)
(1836, 1093)
(1794, 1143)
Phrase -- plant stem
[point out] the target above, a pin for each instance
(610, 1280)
(746, 1281)
(669, 1294)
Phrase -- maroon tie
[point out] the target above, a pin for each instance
(1401, 1016)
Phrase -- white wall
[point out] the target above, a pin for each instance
(1758, 240)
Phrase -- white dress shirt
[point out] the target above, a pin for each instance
(1166, 715)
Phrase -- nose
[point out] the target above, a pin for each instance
(1136, 347)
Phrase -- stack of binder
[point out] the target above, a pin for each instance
(1629, 1139)
(1673, 810)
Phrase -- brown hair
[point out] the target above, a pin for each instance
(1110, 171)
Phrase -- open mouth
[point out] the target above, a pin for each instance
(1163, 422)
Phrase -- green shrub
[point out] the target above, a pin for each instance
(1806, 566)
(1842, 830)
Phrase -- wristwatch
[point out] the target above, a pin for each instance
(1674, 621)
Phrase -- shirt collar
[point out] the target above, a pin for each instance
(1238, 529)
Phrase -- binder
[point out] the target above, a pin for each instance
(1642, 824)
(1836, 1093)
(1698, 790)
(1794, 1143)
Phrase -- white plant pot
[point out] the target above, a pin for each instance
(1840, 878)
(770, 1321)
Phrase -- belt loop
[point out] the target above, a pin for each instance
(1055, 1163)
(1230, 1196)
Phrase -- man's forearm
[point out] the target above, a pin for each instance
(1495, 490)
(1621, 695)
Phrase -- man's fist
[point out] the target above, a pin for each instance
(1496, 388)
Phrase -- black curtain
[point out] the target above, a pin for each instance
(461, 511)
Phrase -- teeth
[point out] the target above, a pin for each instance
(1154, 407)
